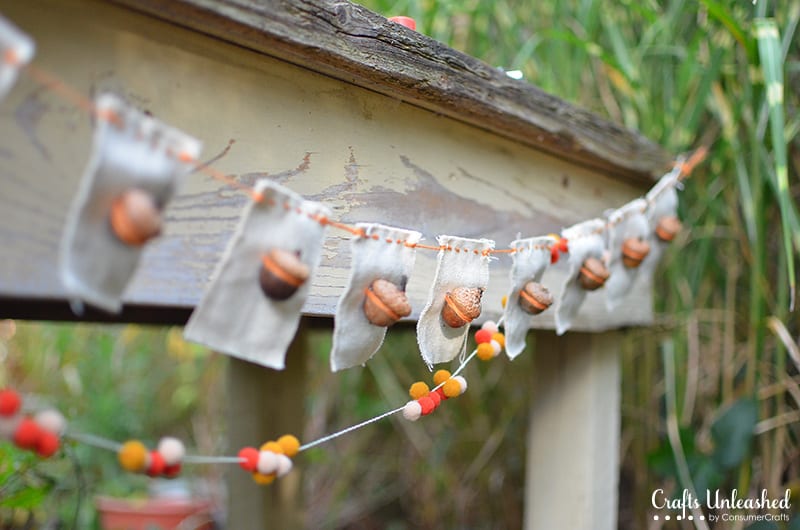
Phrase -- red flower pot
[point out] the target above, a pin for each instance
(146, 514)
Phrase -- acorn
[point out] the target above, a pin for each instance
(282, 273)
(634, 250)
(668, 227)
(385, 303)
(135, 217)
(535, 298)
(462, 305)
(593, 274)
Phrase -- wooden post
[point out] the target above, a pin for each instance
(264, 404)
(573, 438)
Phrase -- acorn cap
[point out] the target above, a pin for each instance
(593, 274)
(535, 298)
(135, 217)
(282, 273)
(668, 227)
(385, 303)
(462, 305)
(634, 250)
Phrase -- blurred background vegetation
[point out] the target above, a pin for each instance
(710, 394)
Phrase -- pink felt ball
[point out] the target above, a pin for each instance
(483, 335)
(51, 420)
(267, 462)
(156, 466)
(47, 444)
(27, 434)
(427, 405)
(10, 402)
(490, 325)
(249, 456)
(462, 383)
(284, 465)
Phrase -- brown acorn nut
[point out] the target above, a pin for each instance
(135, 217)
(668, 227)
(462, 305)
(282, 273)
(634, 250)
(535, 298)
(593, 274)
(385, 303)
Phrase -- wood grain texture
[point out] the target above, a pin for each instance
(367, 156)
(351, 43)
(573, 438)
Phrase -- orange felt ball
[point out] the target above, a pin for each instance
(440, 377)
(500, 338)
(132, 456)
(418, 390)
(262, 479)
(485, 351)
(452, 388)
(274, 447)
(290, 445)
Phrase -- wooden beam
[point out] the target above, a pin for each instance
(351, 43)
(264, 404)
(573, 440)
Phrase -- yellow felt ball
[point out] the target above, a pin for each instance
(132, 456)
(290, 444)
(504, 301)
(451, 388)
(485, 351)
(262, 479)
(500, 338)
(418, 390)
(440, 377)
(274, 447)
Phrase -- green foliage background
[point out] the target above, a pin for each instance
(710, 393)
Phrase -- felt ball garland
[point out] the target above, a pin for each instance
(40, 433)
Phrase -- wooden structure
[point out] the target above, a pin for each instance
(377, 121)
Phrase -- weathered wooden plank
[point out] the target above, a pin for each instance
(573, 441)
(351, 43)
(367, 156)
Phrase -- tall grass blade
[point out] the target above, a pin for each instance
(771, 55)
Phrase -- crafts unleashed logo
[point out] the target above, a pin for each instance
(718, 505)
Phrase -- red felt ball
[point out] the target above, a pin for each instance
(440, 392)
(437, 399)
(427, 405)
(48, 444)
(250, 456)
(172, 471)
(563, 246)
(157, 465)
(27, 434)
(483, 335)
(10, 402)
(554, 254)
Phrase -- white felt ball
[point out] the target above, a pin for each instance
(8, 426)
(267, 462)
(171, 450)
(284, 465)
(496, 348)
(51, 420)
(412, 411)
(491, 325)
(462, 383)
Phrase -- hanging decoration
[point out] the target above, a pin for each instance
(462, 275)
(132, 174)
(251, 309)
(586, 269)
(252, 306)
(629, 246)
(374, 299)
(527, 297)
(16, 51)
